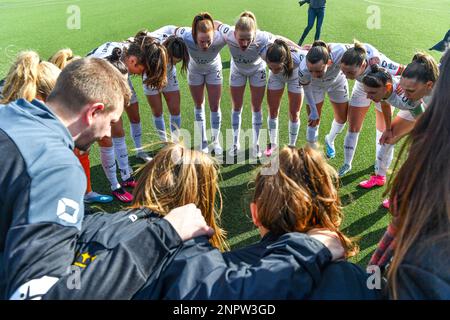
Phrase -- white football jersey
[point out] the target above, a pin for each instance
(106, 49)
(337, 50)
(199, 59)
(163, 33)
(376, 57)
(247, 61)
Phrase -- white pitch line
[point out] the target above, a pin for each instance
(400, 6)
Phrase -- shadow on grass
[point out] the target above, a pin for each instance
(368, 240)
(226, 65)
(352, 177)
(236, 213)
(365, 222)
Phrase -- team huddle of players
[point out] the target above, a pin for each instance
(310, 71)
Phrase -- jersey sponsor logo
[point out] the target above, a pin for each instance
(82, 260)
(34, 289)
(390, 66)
(68, 210)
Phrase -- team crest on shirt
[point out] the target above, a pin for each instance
(82, 260)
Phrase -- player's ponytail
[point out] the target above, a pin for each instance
(116, 60)
(423, 68)
(28, 77)
(63, 57)
(377, 77)
(279, 52)
(153, 56)
(203, 22)
(318, 52)
(355, 56)
(176, 48)
(246, 23)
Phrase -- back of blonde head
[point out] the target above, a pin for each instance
(29, 77)
(246, 22)
(63, 57)
(178, 176)
(301, 196)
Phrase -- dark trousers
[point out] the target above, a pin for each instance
(312, 15)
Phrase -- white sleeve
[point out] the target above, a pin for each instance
(224, 30)
(182, 32)
(165, 30)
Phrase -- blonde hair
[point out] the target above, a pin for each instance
(29, 77)
(178, 176)
(301, 196)
(246, 23)
(63, 57)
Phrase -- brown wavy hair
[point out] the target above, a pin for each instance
(300, 196)
(279, 52)
(178, 176)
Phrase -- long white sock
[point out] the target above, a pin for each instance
(120, 148)
(236, 120)
(136, 134)
(256, 125)
(312, 134)
(350, 142)
(160, 126)
(216, 121)
(377, 143)
(109, 166)
(201, 125)
(384, 159)
(294, 127)
(336, 128)
(175, 126)
(273, 130)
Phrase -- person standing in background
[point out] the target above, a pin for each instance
(316, 10)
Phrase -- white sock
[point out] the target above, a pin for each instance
(256, 125)
(216, 121)
(109, 166)
(377, 143)
(384, 159)
(294, 127)
(350, 142)
(120, 148)
(175, 123)
(201, 125)
(136, 134)
(236, 120)
(336, 128)
(312, 134)
(160, 127)
(273, 130)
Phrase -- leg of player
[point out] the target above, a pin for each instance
(108, 160)
(136, 130)
(257, 94)
(273, 101)
(173, 101)
(237, 99)
(156, 104)
(356, 117)
(214, 95)
(198, 95)
(340, 118)
(295, 104)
